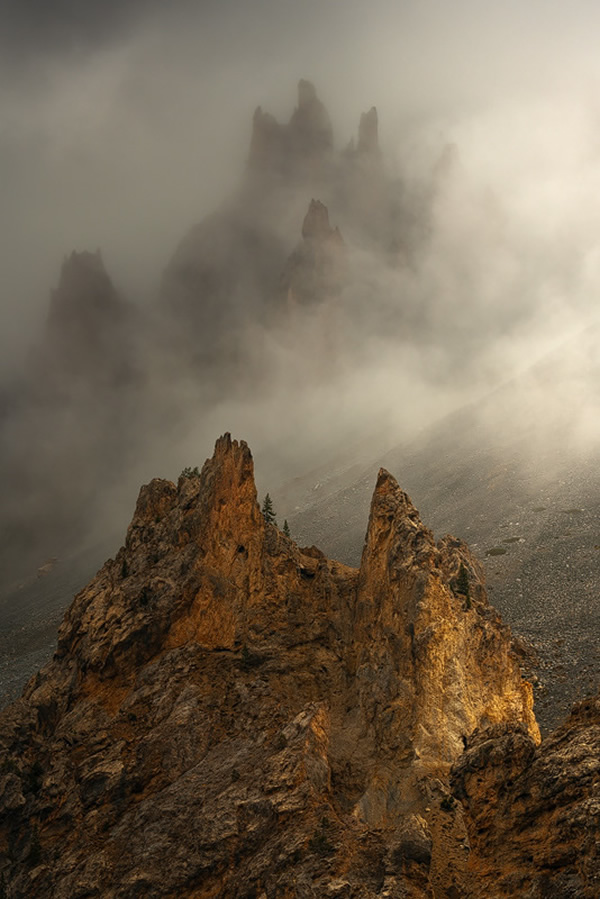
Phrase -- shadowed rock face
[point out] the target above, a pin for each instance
(229, 714)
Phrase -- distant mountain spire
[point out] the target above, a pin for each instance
(368, 134)
(298, 148)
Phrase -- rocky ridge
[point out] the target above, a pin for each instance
(229, 714)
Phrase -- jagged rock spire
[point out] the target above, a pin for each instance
(89, 330)
(407, 602)
(368, 136)
(310, 131)
(315, 271)
(297, 149)
(316, 222)
(84, 290)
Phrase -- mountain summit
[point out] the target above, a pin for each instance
(299, 149)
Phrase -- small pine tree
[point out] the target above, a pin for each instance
(268, 510)
(286, 528)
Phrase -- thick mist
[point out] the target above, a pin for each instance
(124, 127)
(123, 124)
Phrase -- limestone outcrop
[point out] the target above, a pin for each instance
(230, 714)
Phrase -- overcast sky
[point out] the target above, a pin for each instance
(124, 122)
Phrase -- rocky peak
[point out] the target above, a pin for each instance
(88, 332)
(393, 518)
(429, 629)
(316, 223)
(310, 128)
(218, 505)
(368, 135)
(77, 424)
(267, 142)
(215, 679)
(315, 271)
(307, 96)
(297, 150)
(85, 291)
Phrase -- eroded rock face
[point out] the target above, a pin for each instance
(533, 814)
(228, 714)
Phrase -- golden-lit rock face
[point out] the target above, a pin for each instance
(452, 665)
(230, 715)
